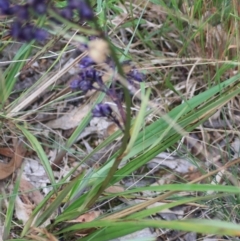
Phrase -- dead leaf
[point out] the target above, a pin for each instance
(27, 200)
(6, 151)
(70, 119)
(87, 217)
(27, 189)
(112, 128)
(23, 210)
(114, 189)
(7, 169)
(174, 163)
(193, 175)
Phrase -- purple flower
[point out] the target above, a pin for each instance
(136, 75)
(27, 32)
(74, 3)
(74, 84)
(85, 85)
(83, 7)
(93, 75)
(24, 33)
(89, 73)
(15, 29)
(86, 62)
(22, 11)
(5, 8)
(85, 10)
(67, 13)
(86, 79)
(102, 110)
(40, 34)
(39, 6)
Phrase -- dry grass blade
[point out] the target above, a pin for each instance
(46, 83)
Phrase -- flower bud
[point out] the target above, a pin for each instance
(102, 110)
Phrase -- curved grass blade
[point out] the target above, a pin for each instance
(41, 154)
(138, 122)
(117, 228)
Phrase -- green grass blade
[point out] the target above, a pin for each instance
(10, 209)
(55, 204)
(41, 154)
(138, 121)
(117, 228)
(14, 68)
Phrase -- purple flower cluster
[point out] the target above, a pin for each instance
(86, 80)
(102, 110)
(83, 7)
(23, 30)
(22, 12)
(90, 78)
(134, 74)
(27, 32)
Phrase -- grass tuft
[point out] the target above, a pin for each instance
(164, 154)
